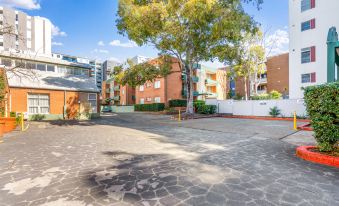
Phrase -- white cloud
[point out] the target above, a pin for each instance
(118, 43)
(57, 32)
(277, 42)
(101, 43)
(23, 4)
(57, 44)
(103, 51)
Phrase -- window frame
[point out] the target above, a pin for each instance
(92, 100)
(157, 98)
(157, 84)
(142, 101)
(38, 106)
(141, 88)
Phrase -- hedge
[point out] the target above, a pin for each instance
(155, 107)
(178, 103)
(322, 106)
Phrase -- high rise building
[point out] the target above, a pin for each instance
(25, 33)
(107, 69)
(309, 23)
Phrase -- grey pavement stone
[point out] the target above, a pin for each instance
(142, 159)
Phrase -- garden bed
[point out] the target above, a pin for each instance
(312, 154)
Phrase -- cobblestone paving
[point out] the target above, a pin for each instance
(135, 159)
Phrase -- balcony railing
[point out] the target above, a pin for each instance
(263, 81)
(195, 93)
(196, 66)
(117, 88)
(211, 95)
(210, 82)
(116, 98)
(195, 79)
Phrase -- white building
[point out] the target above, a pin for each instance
(139, 59)
(309, 22)
(23, 33)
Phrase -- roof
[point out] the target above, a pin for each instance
(53, 81)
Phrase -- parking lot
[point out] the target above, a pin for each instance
(143, 159)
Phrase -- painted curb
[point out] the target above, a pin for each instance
(304, 152)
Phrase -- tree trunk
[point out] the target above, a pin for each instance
(245, 84)
(189, 84)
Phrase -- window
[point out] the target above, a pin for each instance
(38, 103)
(157, 99)
(308, 78)
(6, 62)
(141, 88)
(157, 84)
(142, 101)
(308, 55)
(50, 68)
(307, 25)
(20, 64)
(92, 99)
(1, 43)
(148, 99)
(307, 4)
(30, 65)
(148, 84)
(41, 67)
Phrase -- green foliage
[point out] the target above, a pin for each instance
(206, 109)
(322, 106)
(138, 74)
(275, 94)
(155, 107)
(198, 103)
(190, 30)
(37, 117)
(272, 95)
(275, 111)
(238, 97)
(178, 103)
(12, 114)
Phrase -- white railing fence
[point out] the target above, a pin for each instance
(259, 107)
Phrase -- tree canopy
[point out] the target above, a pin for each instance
(190, 30)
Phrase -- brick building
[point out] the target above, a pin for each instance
(55, 88)
(161, 90)
(276, 78)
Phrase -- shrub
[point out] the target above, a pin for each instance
(261, 97)
(322, 107)
(37, 117)
(275, 94)
(155, 107)
(178, 103)
(207, 109)
(275, 111)
(12, 114)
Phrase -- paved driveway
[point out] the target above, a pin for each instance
(143, 159)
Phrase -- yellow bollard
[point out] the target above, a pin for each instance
(179, 119)
(295, 121)
(23, 122)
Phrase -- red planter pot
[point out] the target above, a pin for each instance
(304, 152)
(10, 123)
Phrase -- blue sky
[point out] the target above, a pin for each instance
(87, 27)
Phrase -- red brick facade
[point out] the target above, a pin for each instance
(278, 73)
(170, 87)
(127, 95)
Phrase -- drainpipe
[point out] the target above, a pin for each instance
(64, 113)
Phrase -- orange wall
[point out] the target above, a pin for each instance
(19, 100)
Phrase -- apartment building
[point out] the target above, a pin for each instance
(211, 83)
(107, 68)
(275, 77)
(161, 90)
(309, 23)
(139, 59)
(25, 33)
(96, 72)
(55, 88)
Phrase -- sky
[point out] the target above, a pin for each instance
(86, 28)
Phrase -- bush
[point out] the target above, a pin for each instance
(37, 117)
(275, 94)
(322, 106)
(275, 111)
(206, 109)
(155, 107)
(178, 103)
(12, 114)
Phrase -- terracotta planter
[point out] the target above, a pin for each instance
(10, 123)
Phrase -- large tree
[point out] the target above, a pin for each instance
(190, 30)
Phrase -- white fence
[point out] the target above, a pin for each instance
(259, 107)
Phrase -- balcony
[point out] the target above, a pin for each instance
(196, 66)
(195, 93)
(264, 91)
(116, 88)
(210, 82)
(195, 79)
(116, 98)
(263, 81)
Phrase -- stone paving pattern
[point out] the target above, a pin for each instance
(135, 159)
